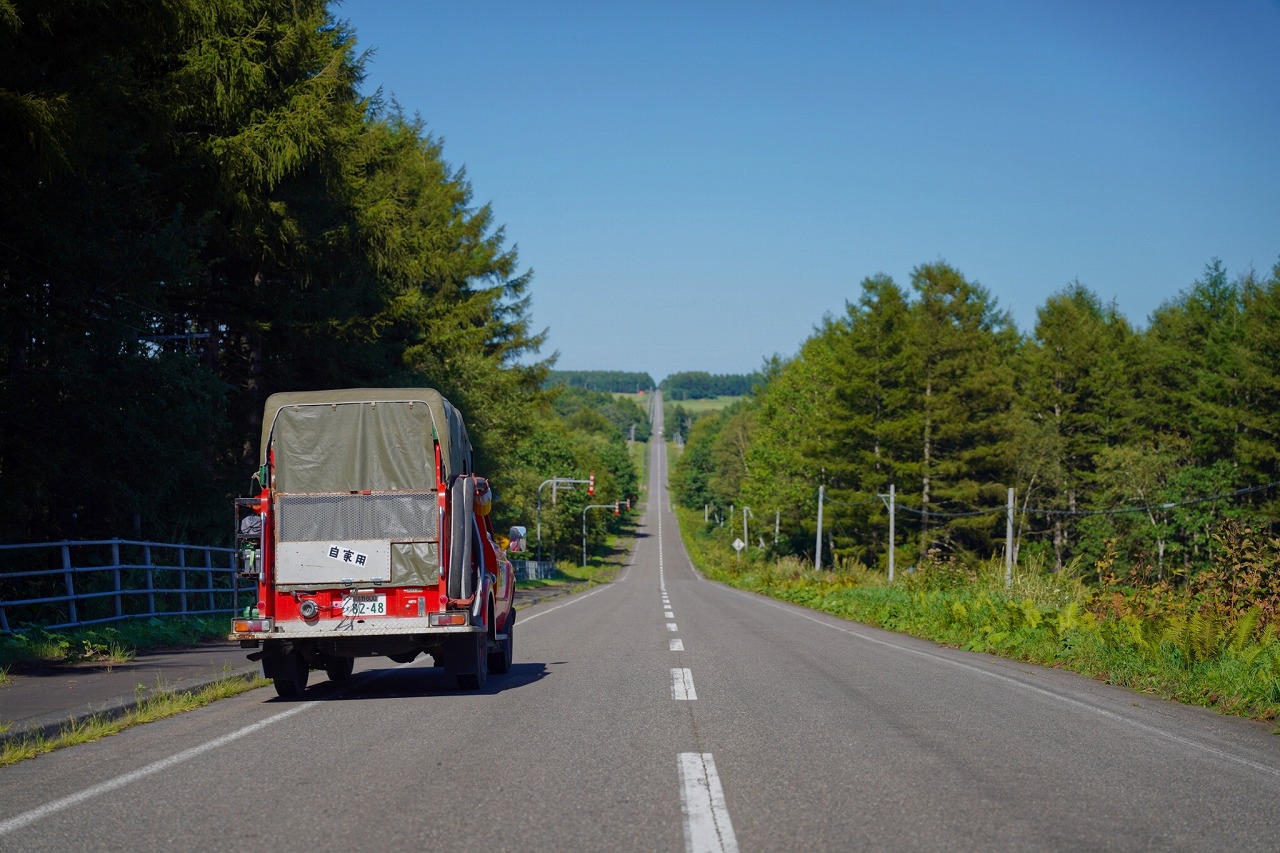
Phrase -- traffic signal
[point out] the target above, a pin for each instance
(615, 508)
(591, 483)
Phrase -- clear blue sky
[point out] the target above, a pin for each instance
(696, 184)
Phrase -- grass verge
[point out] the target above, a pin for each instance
(599, 570)
(35, 647)
(1122, 636)
(157, 706)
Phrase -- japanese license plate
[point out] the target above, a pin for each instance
(364, 605)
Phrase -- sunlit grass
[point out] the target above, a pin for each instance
(157, 706)
(574, 575)
(703, 404)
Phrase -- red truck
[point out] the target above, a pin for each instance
(371, 536)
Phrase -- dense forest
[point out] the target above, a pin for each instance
(612, 381)
(1123, 447)
(204, 204)
(601, 412)
(697, 385)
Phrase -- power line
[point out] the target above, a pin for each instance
(1247, 490)
(1078, 513)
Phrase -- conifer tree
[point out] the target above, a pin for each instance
(872, 422)
(1186, 361)
(1258, 385)
(964, 395)
(787, 459)
(1076, 396)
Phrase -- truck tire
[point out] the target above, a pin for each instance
(500, 659)
(338, 669)
(462, 500)
(478, 646)
(291, 686)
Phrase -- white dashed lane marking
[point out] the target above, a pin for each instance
(707, 828)
(682, 685)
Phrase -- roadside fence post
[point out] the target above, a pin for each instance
(182, 577)
(151, 580)
(115, 571)
(71, 584)
(208, 574)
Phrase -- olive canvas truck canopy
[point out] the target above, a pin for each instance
(358, 439)
(354, 483)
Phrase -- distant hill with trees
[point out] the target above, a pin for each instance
(602, 412)
(695, 385)
(610, 381)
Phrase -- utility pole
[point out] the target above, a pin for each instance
(1008, 544)
(817, 550)
(891, 503)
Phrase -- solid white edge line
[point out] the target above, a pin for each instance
(26, 818)
(29, 817)
(524, 620)
(1066, 700)
(707, 828)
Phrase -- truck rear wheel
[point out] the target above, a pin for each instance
(338, 669)
(291, 686)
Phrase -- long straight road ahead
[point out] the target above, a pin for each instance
(664, 712)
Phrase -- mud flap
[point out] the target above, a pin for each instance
(467, 659)
(460, 653)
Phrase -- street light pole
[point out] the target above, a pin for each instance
(558, 481)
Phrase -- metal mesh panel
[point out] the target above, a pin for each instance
(395, 515)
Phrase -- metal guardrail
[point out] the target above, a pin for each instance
(110, 580)
(532, 570)
(94, 582)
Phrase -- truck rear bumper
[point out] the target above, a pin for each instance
(364, 627)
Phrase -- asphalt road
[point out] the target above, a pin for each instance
(665, 712)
